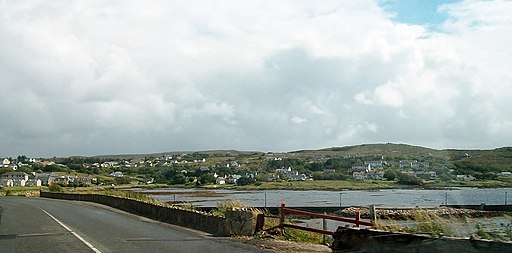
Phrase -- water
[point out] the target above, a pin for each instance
(387, 198)
(383, 198)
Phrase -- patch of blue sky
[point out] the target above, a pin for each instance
(417, 12)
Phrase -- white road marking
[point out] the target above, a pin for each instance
(75, 234)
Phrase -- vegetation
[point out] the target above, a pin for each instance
(20, 191)
(329, 168)
(423, 222)
(430, 223)
(408, 179)
(55, 188)
(226, 205)
(290, 234)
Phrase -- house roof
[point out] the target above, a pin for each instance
(14, 173)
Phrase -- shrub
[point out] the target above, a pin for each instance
(225, 205)
(55, 188)
(431, 223)
(408, 179)
(390, 175)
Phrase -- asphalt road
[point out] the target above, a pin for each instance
(50, 225)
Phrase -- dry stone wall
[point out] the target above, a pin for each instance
(236, 222)
(369, 240)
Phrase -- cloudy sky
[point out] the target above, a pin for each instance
(115, 77)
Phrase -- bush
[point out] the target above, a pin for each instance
(408, 179)
(390, 175)
(431, 224)
(245, 181)
(55, 188)
(225, 205)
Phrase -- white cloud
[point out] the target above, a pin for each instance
(165, 76)
(298, 120)
(387, 95)
(363, 98)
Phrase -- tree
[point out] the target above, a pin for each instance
(315, 166)
(206, 179)
(179, 179)
(55, 188)
(408, 179)
(245, 181)
(390, 175)
(21, 158)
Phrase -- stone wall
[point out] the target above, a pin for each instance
(236, 222)
(369, 240)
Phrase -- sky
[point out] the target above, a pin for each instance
(124, 77)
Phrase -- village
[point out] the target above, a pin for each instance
(197, 169)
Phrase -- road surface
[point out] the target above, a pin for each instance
(50, 225)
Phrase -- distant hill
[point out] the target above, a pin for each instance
(495, 159)
(386, 150)
(175, 153)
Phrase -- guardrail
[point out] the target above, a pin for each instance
(284, 211)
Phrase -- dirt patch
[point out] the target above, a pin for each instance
(286, 246)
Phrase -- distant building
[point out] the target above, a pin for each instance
(220, 180)
(6, 182)
(33, 182)
(429, 175)
(15, 176)
(506, 174)
(360, 168)
(289, 174)
(465, 178)
(233, 179)
(413, 164)
(368, 175)
(204, 168)
(5, 162)
(374, 164)
(117, 174)
(46, 178)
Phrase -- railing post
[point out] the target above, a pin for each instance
(373, 214)
(324, 227)
(358, 217)
(260, 223)
(281, 219)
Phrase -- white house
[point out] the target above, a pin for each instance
(19, 182)
(284, 170)
(117, 174)
(33, 182)
(6, 162)
(6, 182)
(506, 174)
(465, 178)
(298, 177)
(232, 179)
(46, 178)
(204, 168)
(220, 180)
(374, 164)
(368, 175)
(15, 176)
(425, 174)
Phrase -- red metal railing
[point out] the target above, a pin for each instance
(284, 210)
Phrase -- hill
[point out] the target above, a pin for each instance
(499, 159)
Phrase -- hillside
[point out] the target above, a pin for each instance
(377, 150)
(499, 159)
